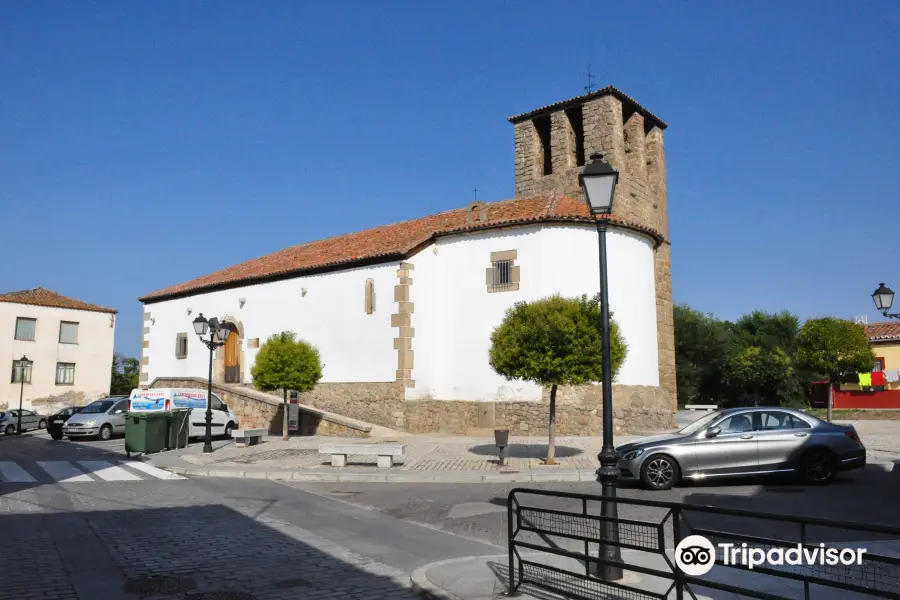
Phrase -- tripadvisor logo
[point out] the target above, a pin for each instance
(695, 555)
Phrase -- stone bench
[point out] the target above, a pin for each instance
(247, 437)
(386, 453)
(707, 407)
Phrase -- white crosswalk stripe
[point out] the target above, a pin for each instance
(10, 472)
(62, 471)
(107, 471)
(151, 470)
(82, 471)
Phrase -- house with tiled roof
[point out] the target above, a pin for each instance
(67, 344)
(402, 313)
(884, 393)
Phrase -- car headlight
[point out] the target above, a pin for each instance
(632, 454)
(90, 423)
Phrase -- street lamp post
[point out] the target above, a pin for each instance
(23, 362)
(218, 333)
(598, 180)
(884, 299)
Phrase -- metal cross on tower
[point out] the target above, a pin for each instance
(590, 81)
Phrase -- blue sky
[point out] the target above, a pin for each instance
(147, 143)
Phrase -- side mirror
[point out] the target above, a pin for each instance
(713, 432)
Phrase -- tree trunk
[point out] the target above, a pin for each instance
(830, 397)
(284, 426)
(551, 445)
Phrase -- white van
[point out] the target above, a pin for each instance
(224, 421)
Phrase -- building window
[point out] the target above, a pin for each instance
(370, 296)
(17, 371)
(545, 151)
(503, 274)
(65, 373)
(68, 332)
(25, 329)
(576, 135)
(181, 342)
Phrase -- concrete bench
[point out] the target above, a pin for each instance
(706, 407)
(247, 437)
(386, 453)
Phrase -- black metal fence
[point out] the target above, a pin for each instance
(554, 542)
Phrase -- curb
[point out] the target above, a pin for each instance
(569, 475)
(399, 477)
(422, 585)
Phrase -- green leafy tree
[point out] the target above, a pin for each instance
(126, 373)
(286, 363)
(702, 343)
(551, 342)
(767, 374)
(833, 348)
(759, 374)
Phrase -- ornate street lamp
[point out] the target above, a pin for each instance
(216, 333)
(598, 180)
(23, 364)
(884, 299)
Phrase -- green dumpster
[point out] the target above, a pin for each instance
(179, 426)
(145, 431)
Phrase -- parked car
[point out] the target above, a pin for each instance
(101, 418)
(30, 420)
(743, 442)
(56, 420)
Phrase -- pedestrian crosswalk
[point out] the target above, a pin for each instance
(81, 471)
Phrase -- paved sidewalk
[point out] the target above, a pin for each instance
(429, 458)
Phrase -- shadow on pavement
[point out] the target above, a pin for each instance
(20, 456)
(525, 451)
(197, 552)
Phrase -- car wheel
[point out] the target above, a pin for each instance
(660, 472)
(10, 430)
(42, 424)
(228, 429)
(105, 432)
(817, 467)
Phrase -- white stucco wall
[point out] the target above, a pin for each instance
(454, 314)
(92, 354)
(354, 346)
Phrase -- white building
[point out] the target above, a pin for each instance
(402, 314)
(68, 344)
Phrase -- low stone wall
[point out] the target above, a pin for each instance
(379, 403)
(261, 410)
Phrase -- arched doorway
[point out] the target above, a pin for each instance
(233, 355)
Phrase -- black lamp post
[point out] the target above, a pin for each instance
(598, 180)
(884, 299)
(218, 333)
(23, 363)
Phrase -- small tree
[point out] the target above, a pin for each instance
(554, 341)
(758, 374)
(125, 374)
(286, 363)
(833, 348)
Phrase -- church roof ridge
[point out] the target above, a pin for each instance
(395, 241)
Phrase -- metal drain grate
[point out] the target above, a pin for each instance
(220, 595)
(147, 586)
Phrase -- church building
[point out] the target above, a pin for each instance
(402, 314)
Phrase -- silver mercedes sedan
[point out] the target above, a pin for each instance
(743, 442)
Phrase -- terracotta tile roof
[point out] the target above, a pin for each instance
(43, 297)
(391, 242)
(608, 90)
(881, 332)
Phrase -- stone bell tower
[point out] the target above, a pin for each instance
(552, 144)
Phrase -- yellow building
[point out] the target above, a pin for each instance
(885, 339)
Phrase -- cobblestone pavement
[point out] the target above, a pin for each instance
(424, 453)
(190, 540)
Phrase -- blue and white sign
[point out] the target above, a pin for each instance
(148, 400)
(189, 399)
